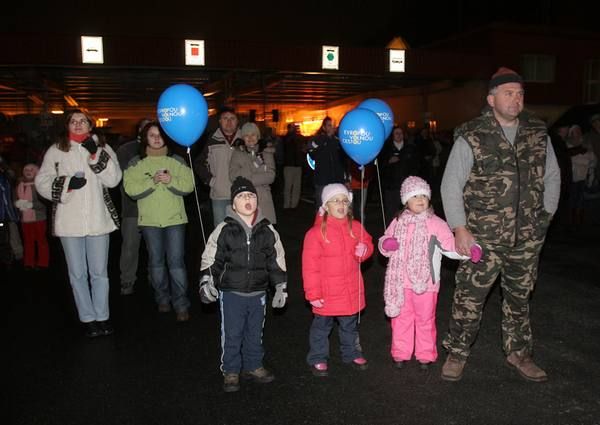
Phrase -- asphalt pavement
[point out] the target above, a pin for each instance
(154, 370)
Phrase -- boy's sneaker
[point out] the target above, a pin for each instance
(106, 327)
(183, 316)
(260, 375)
(360, 363)
(92, 330)
(320, 369)
(231, 382)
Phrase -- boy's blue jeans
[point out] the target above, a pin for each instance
(242, 321)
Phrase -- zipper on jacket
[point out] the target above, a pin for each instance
(518, 189)
(248, 236)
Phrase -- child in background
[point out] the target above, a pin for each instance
(415, 242)
(333, 250)
(242, 256)
(33, 220)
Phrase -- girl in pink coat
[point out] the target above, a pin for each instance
(333, 250)
(415, 242)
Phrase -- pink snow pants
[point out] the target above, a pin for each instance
(414, 329)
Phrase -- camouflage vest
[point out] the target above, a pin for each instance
(505, 190)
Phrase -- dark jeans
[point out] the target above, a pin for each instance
(242, 320)
(167, 242)
(319, 338)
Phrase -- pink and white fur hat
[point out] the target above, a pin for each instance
(413, 186)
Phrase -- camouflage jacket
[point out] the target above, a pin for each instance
(505, 190)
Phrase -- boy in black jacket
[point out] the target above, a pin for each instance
(242, 256)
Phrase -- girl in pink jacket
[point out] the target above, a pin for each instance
(333, 250)
(415, 242)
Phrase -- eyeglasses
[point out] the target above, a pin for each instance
(246, 195)
(339, 201)
(81, 122)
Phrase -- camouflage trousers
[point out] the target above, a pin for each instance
(517, 267)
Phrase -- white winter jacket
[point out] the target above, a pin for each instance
(87, 211)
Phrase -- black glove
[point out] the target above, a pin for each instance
(90, 145)
(77, 183)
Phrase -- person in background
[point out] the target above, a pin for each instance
(500, 188)
(75, 175)
(255, 161)
(294, 157)
(33, 220)
(398, 159)
(130, 232)
(212, 165)
(242, 259)
(158, 181)
(326, 151)
(333, 249)
(359, 202)
(592, 140)
(583, 163)
(9, 217)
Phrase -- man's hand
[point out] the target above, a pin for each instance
(280, 296)
(464, 240)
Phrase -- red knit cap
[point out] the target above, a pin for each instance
(504, 75)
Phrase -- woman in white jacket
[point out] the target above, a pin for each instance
(75, 175)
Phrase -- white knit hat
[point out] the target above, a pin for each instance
(413, 186)
(332, 190)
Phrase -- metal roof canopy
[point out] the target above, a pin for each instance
(131, 92)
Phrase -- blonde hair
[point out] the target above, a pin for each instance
(349, 217)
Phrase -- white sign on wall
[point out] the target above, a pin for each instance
(91, 49)
(396, 60)
(194, 52)
(331, 57)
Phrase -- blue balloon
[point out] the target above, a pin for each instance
(384, 112)
(182, 113)
(361, 135)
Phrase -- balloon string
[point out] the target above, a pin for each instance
(362, 226)
(380, 195)
(196, 195)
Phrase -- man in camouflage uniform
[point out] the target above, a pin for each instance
(500, 189)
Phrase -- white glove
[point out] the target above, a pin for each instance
(23, 204)
(280, 296)
(208, 292)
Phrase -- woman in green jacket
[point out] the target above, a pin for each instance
(159, 181)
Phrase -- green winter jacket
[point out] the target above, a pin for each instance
(159, 204)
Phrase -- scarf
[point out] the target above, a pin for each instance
(79, 138)
(417, 261)
(156, 152)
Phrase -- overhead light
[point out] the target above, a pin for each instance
(57, 111)
(35, 99)
(70, 101)
(101, 122)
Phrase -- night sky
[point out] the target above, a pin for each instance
(351, 22)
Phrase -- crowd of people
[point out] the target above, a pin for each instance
(506, 177)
